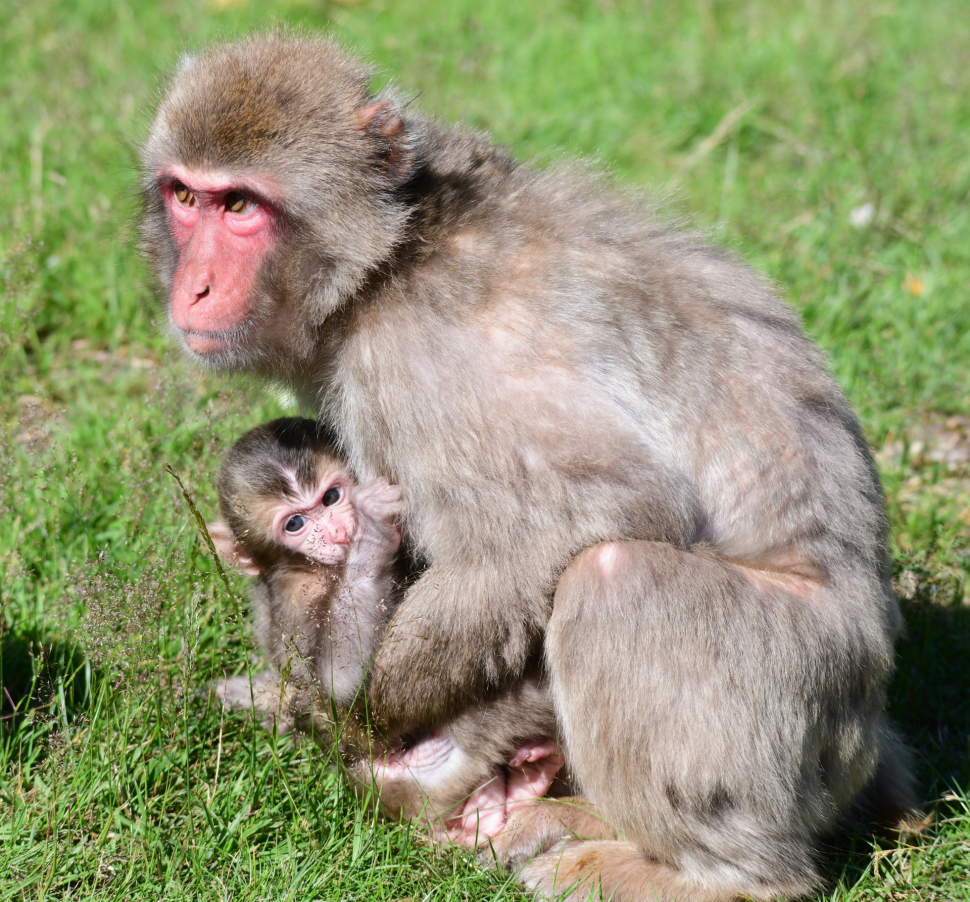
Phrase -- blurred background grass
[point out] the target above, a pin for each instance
(828, 142)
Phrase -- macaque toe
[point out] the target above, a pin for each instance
(482, 816)
(531, 771)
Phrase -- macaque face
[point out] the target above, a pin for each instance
(317, 523)
(223, 227)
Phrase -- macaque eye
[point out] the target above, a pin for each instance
(237, 203)
(183, 195)
(295, 523)
(330, 496)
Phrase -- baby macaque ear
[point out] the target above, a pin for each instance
(229, 549)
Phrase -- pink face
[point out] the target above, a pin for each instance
(318, 524)
(223, 227)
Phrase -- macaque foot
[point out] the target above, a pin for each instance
(538, 825)
(263, 694)
(485, 813)
(424, 779)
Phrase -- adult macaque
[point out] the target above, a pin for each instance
(614, 444)
(322, 550)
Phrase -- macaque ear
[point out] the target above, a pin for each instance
(382, 119)
(229, 549)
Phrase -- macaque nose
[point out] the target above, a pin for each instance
(197, 270)
(196, 284)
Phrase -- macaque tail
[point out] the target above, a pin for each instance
(888, 804)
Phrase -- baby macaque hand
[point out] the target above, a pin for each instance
(378, 507)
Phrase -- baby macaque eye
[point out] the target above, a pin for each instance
(295, 523)
(330, 496)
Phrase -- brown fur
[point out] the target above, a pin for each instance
(545, 367)
(319, 623)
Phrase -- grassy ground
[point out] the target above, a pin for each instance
(829, 141)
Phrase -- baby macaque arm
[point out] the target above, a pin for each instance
(361, 609)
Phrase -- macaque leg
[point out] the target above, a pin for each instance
(539, 824)
(266, 696)
(682, 684)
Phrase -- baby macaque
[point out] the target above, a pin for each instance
(323, 550)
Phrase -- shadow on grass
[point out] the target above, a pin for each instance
(38, 679)
(930, 704)
(930, 696)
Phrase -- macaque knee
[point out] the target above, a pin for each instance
(608, 559)
(594, 568)
(614, 571)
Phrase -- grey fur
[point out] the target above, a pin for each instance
(544, 366)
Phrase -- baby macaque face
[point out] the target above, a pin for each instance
(318, 523)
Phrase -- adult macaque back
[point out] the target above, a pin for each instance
(614, 443)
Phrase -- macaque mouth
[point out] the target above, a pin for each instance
(416, 755)
(210, 342)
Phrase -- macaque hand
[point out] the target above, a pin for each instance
(377, 538)
(440, 651)
(484, 813)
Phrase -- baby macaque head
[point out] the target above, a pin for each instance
(285, 499)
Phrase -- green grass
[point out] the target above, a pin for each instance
(768, 122)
